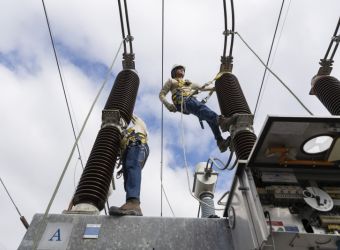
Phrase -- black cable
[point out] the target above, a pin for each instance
(122, 24)
(62, 82)
(128, 26)
(162, 115)
(331, 43)
(232, 28)
(225, 27)
(199, 210)
(270, 52)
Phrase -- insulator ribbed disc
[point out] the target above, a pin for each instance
(230, 96)
(95, 180)
(123, 94)
(327, 89)
(243, 143)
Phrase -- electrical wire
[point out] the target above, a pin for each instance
(232, 28)
(270, 52)
(166, 197)
(122, 24)
(61, 80)
(40, 226)
(186, 163)
(331, 43)
(162, 110)
(22, 218)
(276, 48)
(225, 27)
(128, 26)
(278, 78)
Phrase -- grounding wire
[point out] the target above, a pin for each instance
(268, 59)
(186, 163)
(38, 232)
(61, 79)
(278, 78)
(162, 111)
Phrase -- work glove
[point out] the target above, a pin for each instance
(171, 107)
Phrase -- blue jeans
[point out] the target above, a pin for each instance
(133, 161)
(192, 106)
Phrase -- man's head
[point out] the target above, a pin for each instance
(177, 71)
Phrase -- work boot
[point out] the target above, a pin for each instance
(131, 207)
(223, 144)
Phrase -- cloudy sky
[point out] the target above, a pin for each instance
(36, 135)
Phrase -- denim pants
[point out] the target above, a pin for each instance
(192, 106)
(134, 159)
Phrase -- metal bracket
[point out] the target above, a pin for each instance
(112, 117)
(236, 123)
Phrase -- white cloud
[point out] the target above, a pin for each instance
(36, 135)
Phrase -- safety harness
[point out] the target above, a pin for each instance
(130, 139)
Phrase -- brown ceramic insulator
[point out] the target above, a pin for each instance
(243, 143)
(123, 94)
(230, 96)
(95, 180)
(327, 89)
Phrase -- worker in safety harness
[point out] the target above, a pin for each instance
(183, 90)
(135, 152)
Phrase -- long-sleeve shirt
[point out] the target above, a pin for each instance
(173, 85)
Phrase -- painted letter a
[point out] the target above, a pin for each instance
(56, 236)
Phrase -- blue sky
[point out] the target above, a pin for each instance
(36, 135)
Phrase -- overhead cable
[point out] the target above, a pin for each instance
(270, 52)
(127, 38)
(277, 45)
(22, 218)
(61, 80)
(162, 111)
(40, 227)
(278, 78)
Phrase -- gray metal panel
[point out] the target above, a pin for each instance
(243, 233)
(301, 241)
(140, 232)
(291, 132)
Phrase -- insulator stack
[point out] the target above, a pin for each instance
(243, 142)
(230, 96)
(95, 180)
(327, 89)
(123, 94)
(234, 106)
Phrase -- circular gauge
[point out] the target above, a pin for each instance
(318, 199)
(318, 144)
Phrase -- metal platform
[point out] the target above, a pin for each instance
(65, 231)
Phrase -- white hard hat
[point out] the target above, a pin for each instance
(174, 68)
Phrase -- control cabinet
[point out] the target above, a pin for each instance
(287, 195)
